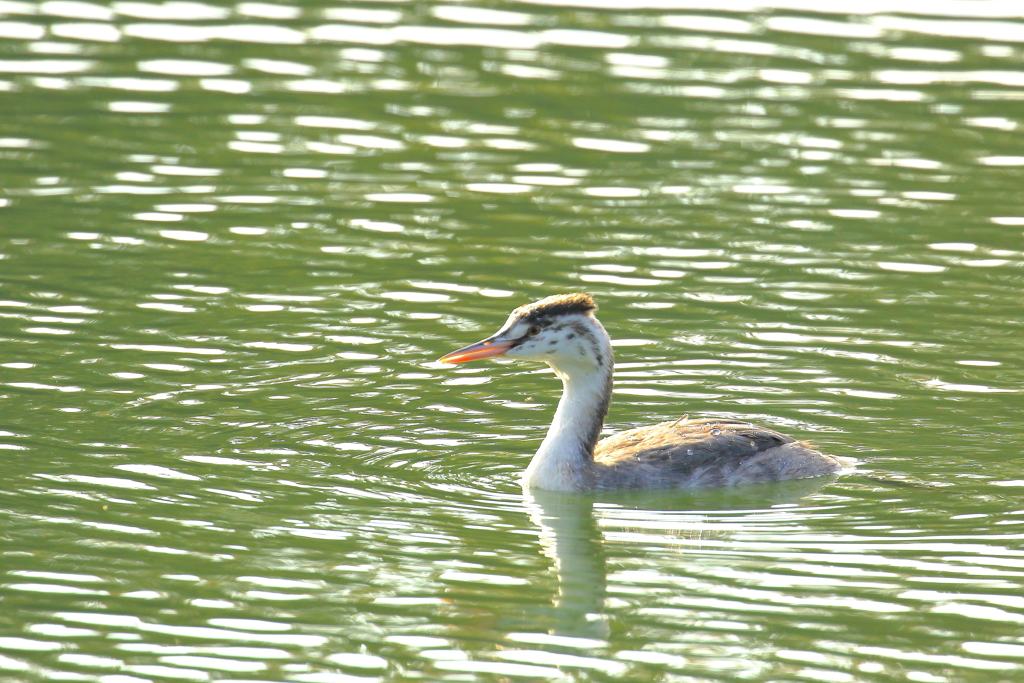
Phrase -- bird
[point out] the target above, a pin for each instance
(562, 331)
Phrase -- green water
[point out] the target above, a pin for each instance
(235, 238)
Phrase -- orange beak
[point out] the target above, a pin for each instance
(485, 349)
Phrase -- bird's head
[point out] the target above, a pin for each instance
(559, 330)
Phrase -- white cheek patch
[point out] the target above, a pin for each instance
(556, 342)
(545, 344)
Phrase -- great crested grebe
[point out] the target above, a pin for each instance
(562, 331)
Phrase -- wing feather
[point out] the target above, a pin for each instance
(685, 447)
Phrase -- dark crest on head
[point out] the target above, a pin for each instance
(557, 305)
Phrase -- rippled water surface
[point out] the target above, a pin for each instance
(234, 238)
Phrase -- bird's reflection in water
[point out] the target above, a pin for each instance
(571, 536)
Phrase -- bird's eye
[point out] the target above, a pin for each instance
(533, 331)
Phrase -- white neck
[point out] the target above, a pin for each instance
(564, 459)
